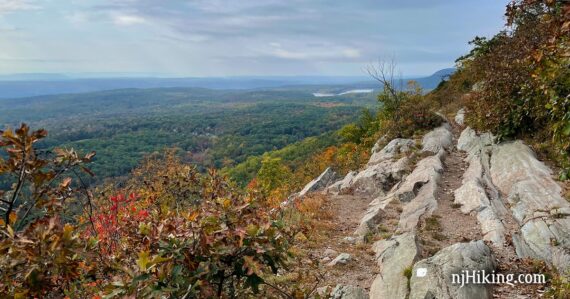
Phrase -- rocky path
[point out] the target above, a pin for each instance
(438, 206)
(448, 225)
(341, 240)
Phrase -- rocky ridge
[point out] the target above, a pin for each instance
(504, 199)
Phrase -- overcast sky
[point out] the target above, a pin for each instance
(239, 37)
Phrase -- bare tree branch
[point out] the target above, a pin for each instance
(385, 73)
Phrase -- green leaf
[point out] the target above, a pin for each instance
(143, 261)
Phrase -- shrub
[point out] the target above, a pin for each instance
(523, 76)
(41, 254)
(178, 233)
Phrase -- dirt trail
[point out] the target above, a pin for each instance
(458, 227)
(448, 225)
(361, 269)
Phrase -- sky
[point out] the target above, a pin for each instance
(204, 38)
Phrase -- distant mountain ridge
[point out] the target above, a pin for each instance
(27, 85)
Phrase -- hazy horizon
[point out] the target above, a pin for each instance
(119, 75)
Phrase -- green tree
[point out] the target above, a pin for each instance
(273, 174)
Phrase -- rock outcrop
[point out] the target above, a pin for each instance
(536, 203)
(348, 292)
(320, 183)
(394, 255)
(504, 189)
(477, 192)
(438, 139)
(418, 194)
(460, 117)
(508, 174)
(417, 190)
(439, 269)
(394, 148)
(383, 170)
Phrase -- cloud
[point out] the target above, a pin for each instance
(128, 20)
(351, 53)
(9, 6)
(252, 36)
(317, 55)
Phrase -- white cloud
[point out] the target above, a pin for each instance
(8, 6)
(128, 20)
(286, 54)
(351, 53)
(317, 53)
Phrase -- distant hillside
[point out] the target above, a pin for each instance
(27, 85)
(211, 127)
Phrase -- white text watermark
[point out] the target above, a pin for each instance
(483, 277)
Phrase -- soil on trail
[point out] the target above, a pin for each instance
(457, 227)
(448, 225)
(361, 269)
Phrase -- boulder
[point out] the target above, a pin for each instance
(396, 147)
(374, 180)
(342, 258)
(427, 169)
(394, 255)
(419, 192)
(536, 203)
(434, 279)
(373, 215)
(460, 117)
(343, 184)
(324, 180)
(438, 139)
(348, 292)
(472, 143)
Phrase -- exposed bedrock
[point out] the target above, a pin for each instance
(324, 180)
(394, 255)
(385, 168)
(417, 191)
(536, 203)
(507, 178)
(477, 192)
(439, 269)
(438, 139)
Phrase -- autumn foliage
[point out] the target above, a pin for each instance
(521, 77)
(41, 253)
(181, 235)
